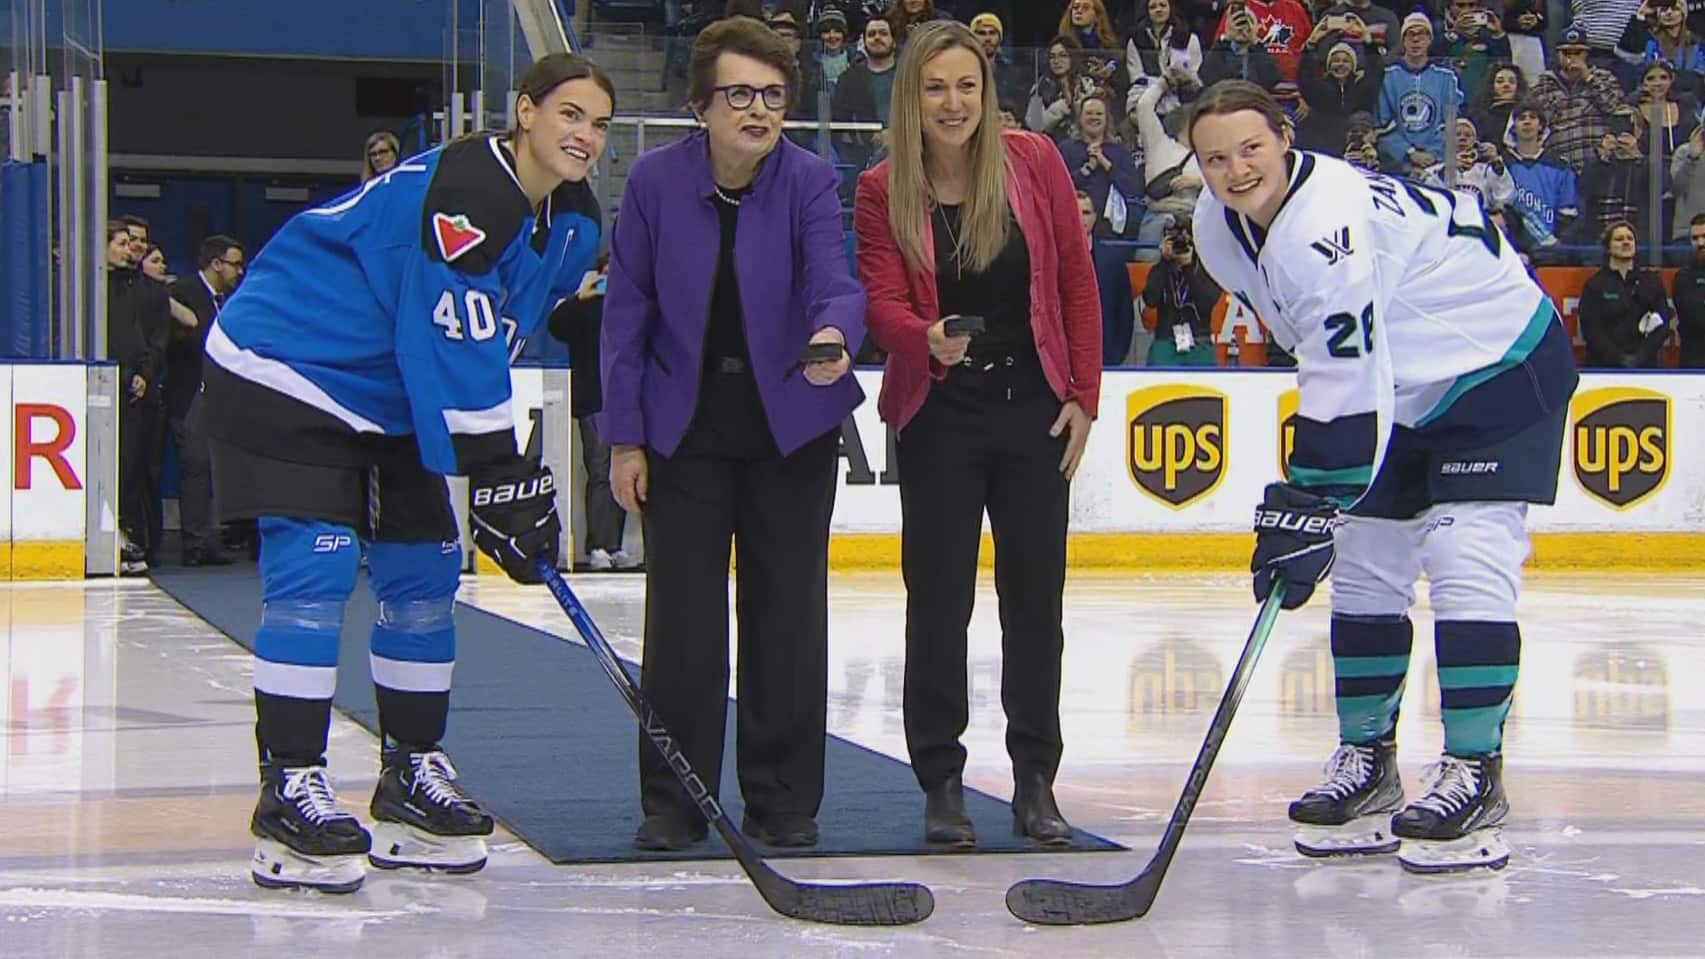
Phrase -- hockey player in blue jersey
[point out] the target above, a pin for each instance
(366, 357)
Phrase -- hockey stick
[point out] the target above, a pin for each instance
(862, 904)
(1053, 902)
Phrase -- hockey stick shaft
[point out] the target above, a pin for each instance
(867, 904)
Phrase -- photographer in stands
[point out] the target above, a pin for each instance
(1183, 296)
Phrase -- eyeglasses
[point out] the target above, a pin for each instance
(741, 95)
(233, 264)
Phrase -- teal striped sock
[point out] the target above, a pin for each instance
(1370, 657)
(1478, 663)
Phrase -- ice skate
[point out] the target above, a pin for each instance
(305, 841)
(1349, 814)
(422, 820)
(1457, 825)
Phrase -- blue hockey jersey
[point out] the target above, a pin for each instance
(394, 312)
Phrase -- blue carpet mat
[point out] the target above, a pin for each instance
(540, 736)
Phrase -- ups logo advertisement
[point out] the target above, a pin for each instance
(1289, 400)
(1620, 440)
(1175, 442)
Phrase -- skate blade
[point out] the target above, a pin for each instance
(1363, 836)
(277, 866)
(1480, 849)
(400, 846)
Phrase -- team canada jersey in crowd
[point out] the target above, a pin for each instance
(394, 312)
(1396, 299)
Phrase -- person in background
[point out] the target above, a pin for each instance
(730, 311)
(1118, 313)
(1687, 180)
(863, 93)
(381, 152)
(1658, 33)
(1012, 79)
(1688, 292)
(1490, 109)
(832, 56)
(1054, 97)
(1412, 102)
(1625, 313)
(220, 265)
(1478, 169)
(1159, 43)
(153, 267)
(578, 322)
(1576, 101)
(1614, 182)
(1472, 43)
(138, 317)
(1547, 201)
(1240, 54)
(1104, 168)
(1341, 86)
(1526, 23)
(965, 220)
(1183, 296)
(906, 15)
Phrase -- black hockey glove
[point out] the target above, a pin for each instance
(513, 515)
(1293, 541)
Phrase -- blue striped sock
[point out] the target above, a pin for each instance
(1478, 663)
(1370, 657)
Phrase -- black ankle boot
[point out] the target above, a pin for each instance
(1034, 813)
(945, 821)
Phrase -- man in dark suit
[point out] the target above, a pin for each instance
(220, 263)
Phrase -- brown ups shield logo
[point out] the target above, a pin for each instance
(1289, 400)
(1621, 440)
(1175, 442)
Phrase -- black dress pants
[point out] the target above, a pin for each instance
(195, 483)
(981, 442)
(141, 440)
(726, 482)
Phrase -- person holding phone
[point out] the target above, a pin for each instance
(983, 293)
(726, 266)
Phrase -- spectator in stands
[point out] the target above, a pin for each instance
(1577, 100)
(1490, 108)
(1332, 91)
(1625, 313)
(727, 261)
(1600, 24)
(1113, 278)
(137, 322)
(1361, 143)
(1473, 41)
(1689, 296)
(1687, 181)
(964, 219)
(1240, 55)
(1053, 101)
(1546, 202)
(1103, 58)
(219, 268)
(864, 93)
(153, 266)
(1511, 229)
(1171, 179)
(1477, 168)
(1614, 184)
(1012, 79)
(136, 228)
(1412, 101)
(1370, 30)
(1103, 167)
(1526, 23)
(1282, 26)
(1659, 34)
(832, 56)
(905, 15)
(381, 152)
(1162, 42)
(1183, 296)
(1672, 112)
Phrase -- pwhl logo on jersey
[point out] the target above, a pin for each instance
(1289, 400)
(1334, 247)
(1175, 442)
(456, 235)
(1621, 443)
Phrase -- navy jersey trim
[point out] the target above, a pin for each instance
(1252, 236)
(266, 422)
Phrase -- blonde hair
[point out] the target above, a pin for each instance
(984, 216)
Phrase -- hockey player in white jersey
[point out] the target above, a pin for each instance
(1434, 380)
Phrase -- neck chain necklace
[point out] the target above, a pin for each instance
(953, 238)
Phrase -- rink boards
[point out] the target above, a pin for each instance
(1174, 464)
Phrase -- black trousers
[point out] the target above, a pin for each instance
(727, 481)
(140, 450)
(604, 516)
(981, 442)
(195, 483)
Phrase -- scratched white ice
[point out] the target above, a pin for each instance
(126, 771)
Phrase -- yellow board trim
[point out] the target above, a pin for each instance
(46, 559)
(1229, 552)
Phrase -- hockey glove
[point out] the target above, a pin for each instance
(513, 515)
(1293, 541)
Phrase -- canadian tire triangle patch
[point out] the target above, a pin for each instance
(455, 235)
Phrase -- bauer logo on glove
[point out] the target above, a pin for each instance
(1293, 541)
(513, 516)
(542, 485)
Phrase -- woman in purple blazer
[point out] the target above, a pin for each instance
(729, 314)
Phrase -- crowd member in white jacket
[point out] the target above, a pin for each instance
(1163, 46)
(1479, 167)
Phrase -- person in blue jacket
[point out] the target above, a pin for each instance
(365, 357)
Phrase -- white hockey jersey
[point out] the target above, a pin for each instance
(1396, 298)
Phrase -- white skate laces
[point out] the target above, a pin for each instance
(435, 777)
(1347, 771)
(1452, 783)
(311, 791)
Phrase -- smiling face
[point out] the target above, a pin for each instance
(565, 133)
(1339, 64)
(1504, 84)
(744, 135)
(1465, 135)
(952, 99)
(1243, 161)
(1656, 83)
(1092, 118)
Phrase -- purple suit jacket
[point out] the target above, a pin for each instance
(794, 280)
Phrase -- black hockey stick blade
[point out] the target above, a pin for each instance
(1054, 902)
(852, 904)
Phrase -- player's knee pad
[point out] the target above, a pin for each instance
(1374, 568)
(307, 572)
(414, 635)
(1474, 554)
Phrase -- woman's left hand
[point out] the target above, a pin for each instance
(826, 372)
(1075, 421)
